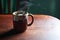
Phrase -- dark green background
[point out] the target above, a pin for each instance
(49, 7)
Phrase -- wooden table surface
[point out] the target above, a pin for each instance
(44, 28)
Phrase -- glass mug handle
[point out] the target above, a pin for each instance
(31, 21)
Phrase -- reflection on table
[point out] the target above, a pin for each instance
(44, 28)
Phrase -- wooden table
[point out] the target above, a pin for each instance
(44, 28)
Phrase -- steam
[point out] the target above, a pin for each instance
(25, 5)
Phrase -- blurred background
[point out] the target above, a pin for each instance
(48, 7)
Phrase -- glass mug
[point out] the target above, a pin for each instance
(20, 21)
